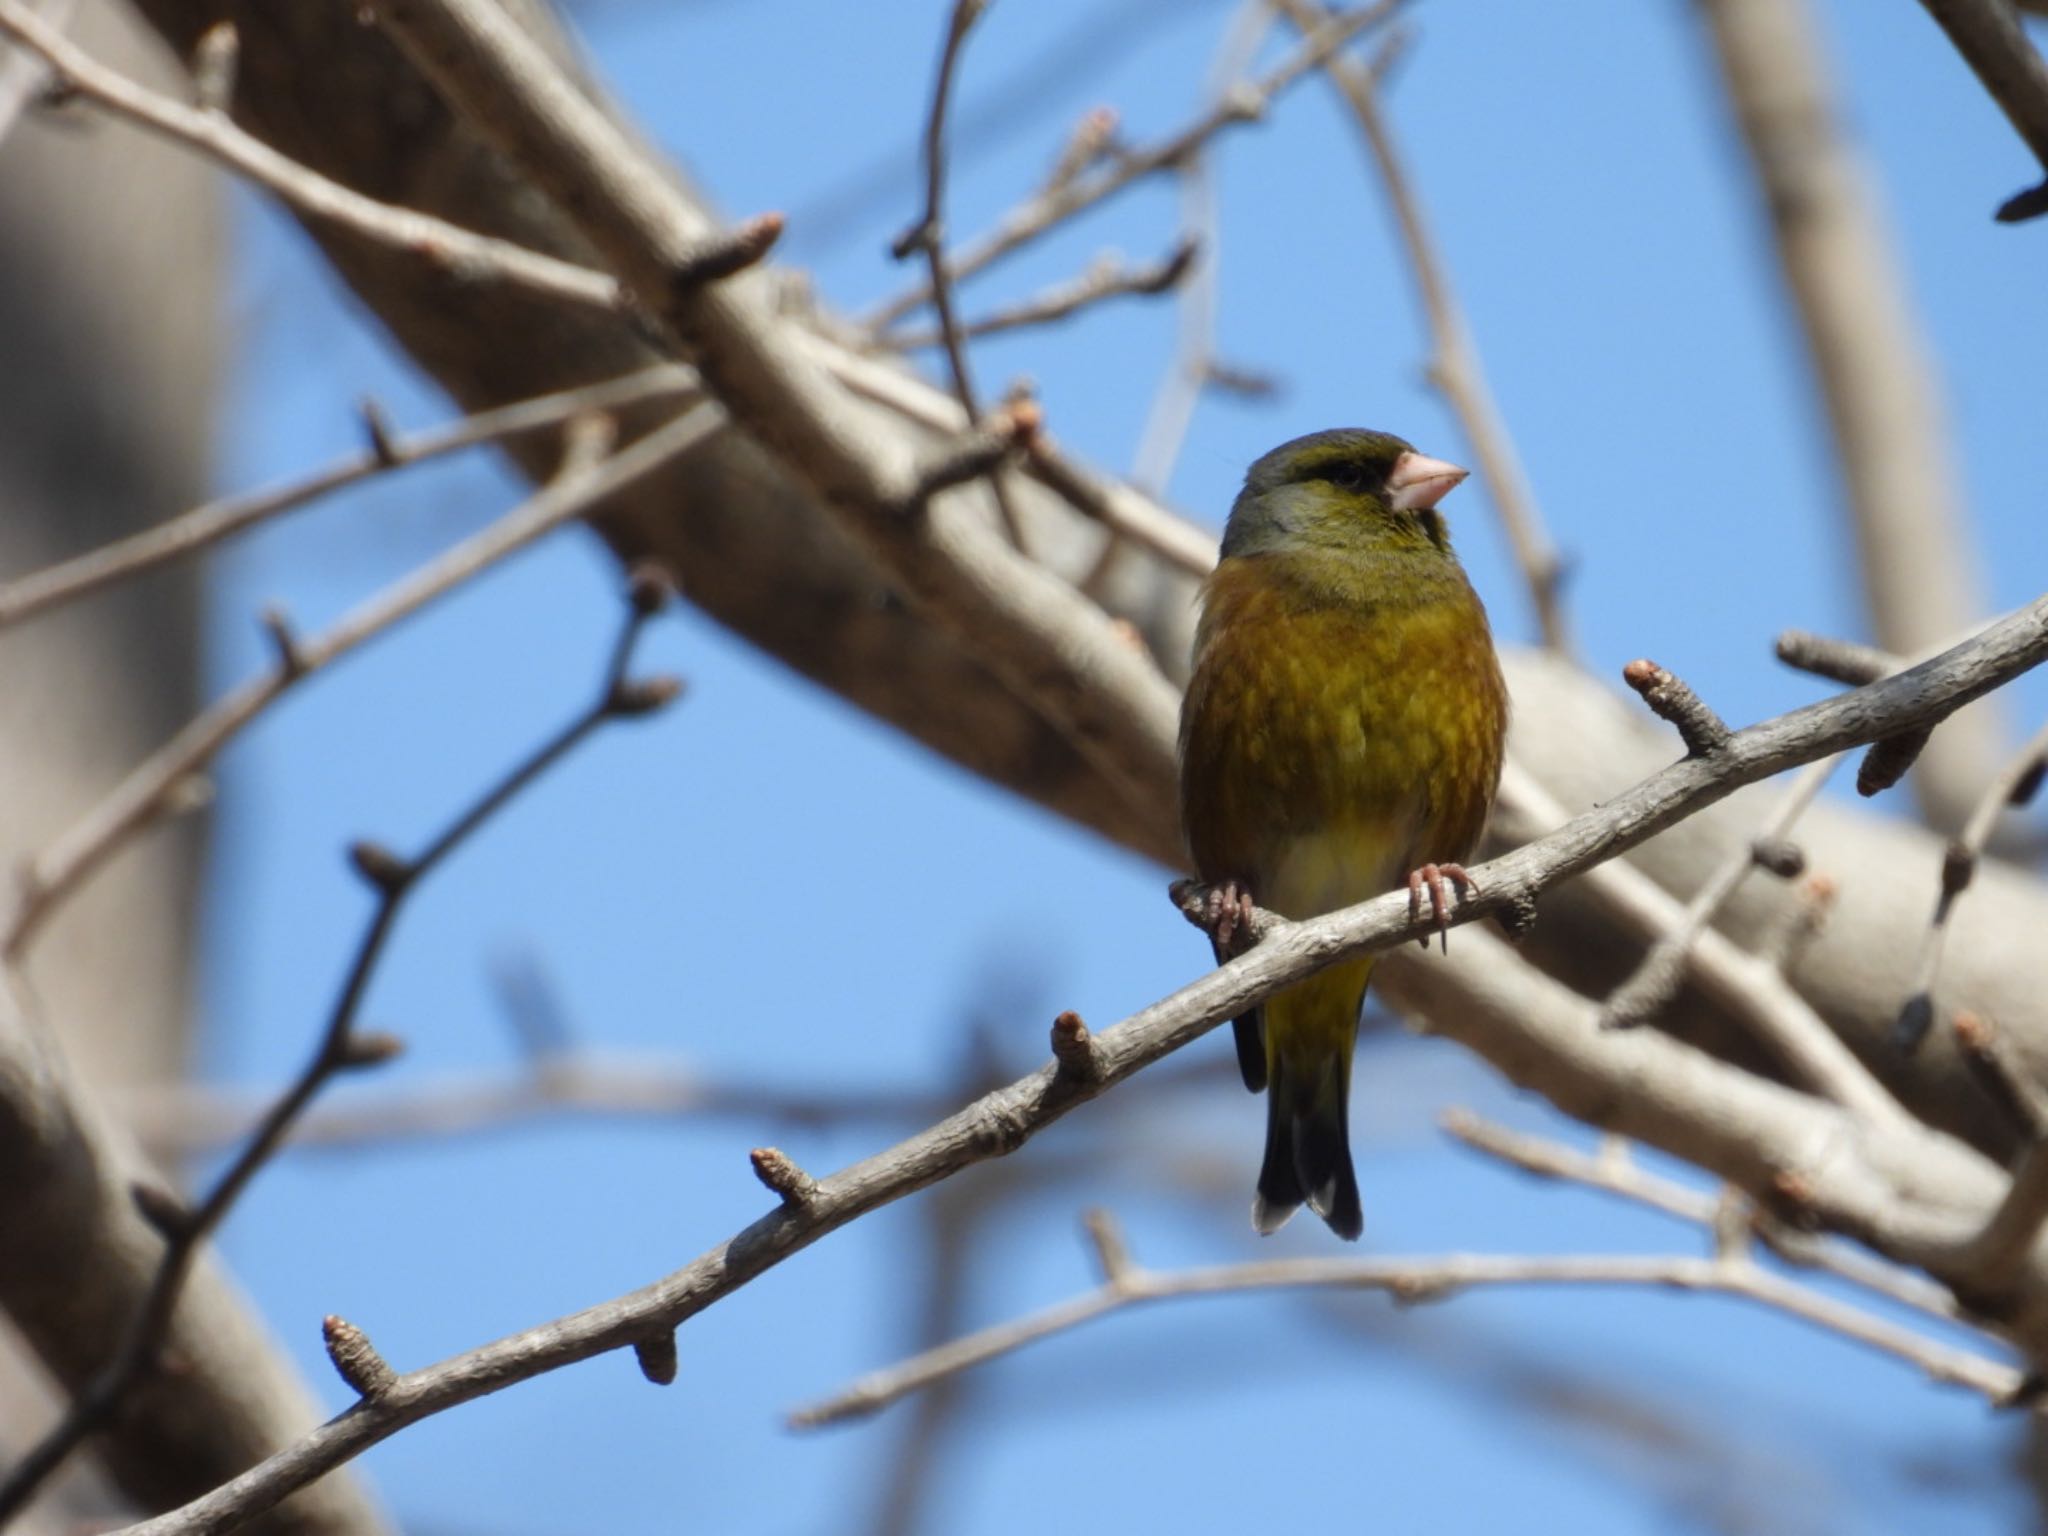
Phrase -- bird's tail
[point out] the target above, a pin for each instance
(1310, 1031)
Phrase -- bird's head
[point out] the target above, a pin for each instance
(1345, 489)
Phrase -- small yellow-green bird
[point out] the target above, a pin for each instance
(1342, 735)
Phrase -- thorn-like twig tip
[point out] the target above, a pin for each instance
(2028, 785)
(161, 1209)
(774, 1169)
(914, 240)
(1671, 698)
(284, 641)
(214, 63)
(378, 430)
(1779, 855)
(1516, 915)
(1914, 1021)
(1887, 761)
(649, 588)
(355, 1358)
(1839, 661)
(1074, 1048)
(637, 696)
(1106, 1239)
(2021, 206)
(657, 1357)
(1958, 868)
(728, 252)
(2033, 1386)
(380, 866)
(190, 792)
(367, 1048)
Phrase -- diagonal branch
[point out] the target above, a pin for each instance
(139, 800)
(1987, 33)
(1747, 1130)
(341, 1048)
(1057, 650)
(210, 131)
(203, 527)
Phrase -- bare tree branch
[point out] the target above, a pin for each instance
(1455, 368)
(1615, 1172)
(202, 527)
(1655, 982)
(55, 873)
(1913, 536)
(2014, 786)
(1411, 1280)
(1189, 369)
(340, 1048)
(1729, 1121)
(927, 236)
(1752, 989)
(1108, 277)
(1061, 200)
(1057, 649)
(462, 253)
(1987, 33)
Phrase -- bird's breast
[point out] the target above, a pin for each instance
(1327, 747)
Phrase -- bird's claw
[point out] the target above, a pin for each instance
(1227, 909)
(1437, 880)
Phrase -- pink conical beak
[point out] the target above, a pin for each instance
(1418, 481)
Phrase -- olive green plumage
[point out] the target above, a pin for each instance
(1343, 727)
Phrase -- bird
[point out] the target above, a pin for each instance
(1341, 736)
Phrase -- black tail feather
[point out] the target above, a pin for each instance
(1308, 1155)
(1250, 1030)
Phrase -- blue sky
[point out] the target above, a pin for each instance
(1606, 242)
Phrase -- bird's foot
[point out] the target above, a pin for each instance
(1437, 880)
(1227, 909)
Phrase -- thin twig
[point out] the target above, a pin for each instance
(1839, 661)
(340, 1049)
(23, 77)
(1127, 514)
(202, 527)
(1055, 205)
(1093, 138)
(1108, 277)
(1847, 661)
(1454, 368)
(1002, 1121)
(1650, 988)
(927, 237)
(1750, 987)
(190, 1119)
(462, 253)
(1411, 1280)
(1994, 1061)
(1617, 1173)
(1188, 370)
(1916, 543)
(1989, 37)
(2014, 785)
(1989, 1262)
(137, 801)
(1052, 646)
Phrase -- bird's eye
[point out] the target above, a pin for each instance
(1346, 477)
